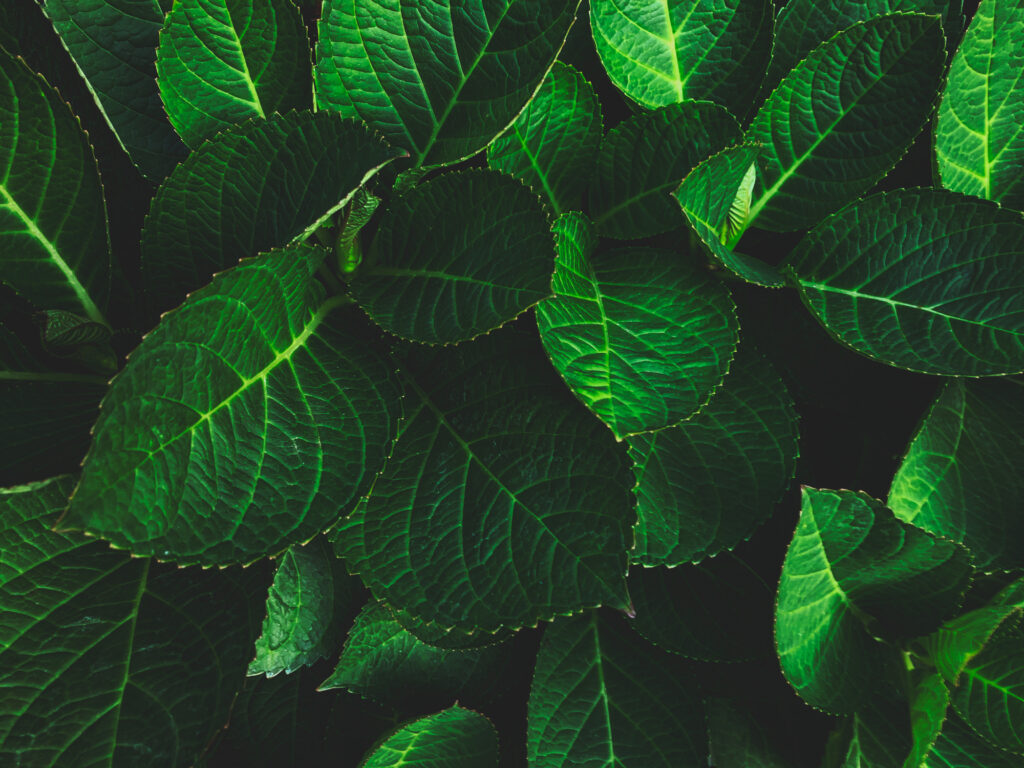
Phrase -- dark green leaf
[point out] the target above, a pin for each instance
(447, 266)
(737, 740)
(929, 701)
(922, 279)
(990, 693)
(880, 734)
(450, 638)
(453, 738)
(959, 747)
(267, 415)
(221, 62)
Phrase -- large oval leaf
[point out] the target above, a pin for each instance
(154, 654)
(456, 257)
(54, 246)
(990, 695)
(440, 78)
(642, 336)
(256, 186)
(504, 503)
(661, 52)
(221, 62)
(822, 146)
(979, 137)
(454, 738)
(248, 420)
(922, 279)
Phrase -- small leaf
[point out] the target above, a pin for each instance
(553, 143)
(922, 279)
(221, 62)
(645, 157)
(929, 701)
(453, 738)
(456, 257)
(990, 694)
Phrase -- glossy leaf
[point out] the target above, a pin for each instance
(959, 747)
(853, 567)
(207, 216)
(819, 128)
(961, 475)
(600, 696)
(454, 737)
(266, 417)
(553, 143)
(660, 52)
(979, 136)
(704, 485)
(504, 502)
(54, 246)
(921, 279)
(456, 257)
(222, 62)
(737, 740)
(645, 157)
(990, 694)
(439, 78)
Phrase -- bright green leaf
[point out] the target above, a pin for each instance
(453, 738)
(929, 701)
(990, 693)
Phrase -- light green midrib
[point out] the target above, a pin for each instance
(541, 174)
(247, 75)
(603, 691)
(143, 582)
(91, 310)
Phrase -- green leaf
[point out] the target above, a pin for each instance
(661, 52)
(704, 485)
(54, 246)
(453, 738)
(307, 602)
(553, 143)
(990, 694)
(504, 502)
(113, 43)
(959, 747)
(600, 696)
(979, 137)
(384, 662)
(446, 268)
(737, 740)
(819, 128)
(642, 336)
(853, 570)
(929, 701)
(450, 638)
(267, 415)
(961, 475)
(206, 216)
(107, 659)
(719, 610)
(715, 197)
(879, 735)
(221, 62)
(645, 157)
(440, 78)
(922, 279)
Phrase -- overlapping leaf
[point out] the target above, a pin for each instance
(922, 279)
(248, 420)
(959, 747)
(990, 694)
(439, 78)
(454, 737)
(929, 703)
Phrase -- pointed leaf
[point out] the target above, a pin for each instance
(704, 485)
(267, 416)
(822, 146)
(221, 62)
(601, 696)
(552, 144)
(959, 747)
(990, 695)
(454, 738)
(922, 279)
(456, 257)
(504, 502)
(449, 638)
(440, 78)
(929, 701)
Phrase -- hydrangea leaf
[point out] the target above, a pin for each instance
(853, 571)
(456, 257)
(961, 475)
(661, 52)
(222, 62)
(736, 739)
(885, 71)
(449, 638)
(267, 414)
(645, 157)
(922, 279)
(504, 502)
(979, 137)
(960, 747)
(601, 696)
(990, 693)
(553, 143)
(439, 78)
(929, 702)
(704, 485)
(454, 737)
(879, 734)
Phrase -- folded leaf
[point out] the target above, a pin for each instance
(454, 738)
(822, 146)
(456, 257)
(922, 279)
(990, 694)
(221, 62)
(267, 412)
(440, 78)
